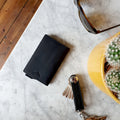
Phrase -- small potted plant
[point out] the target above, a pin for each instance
(104, 66)
(112, 80)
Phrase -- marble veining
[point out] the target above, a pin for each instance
(24, 99)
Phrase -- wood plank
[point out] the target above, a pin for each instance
(14, 33)
(2, 3)
(8, 15)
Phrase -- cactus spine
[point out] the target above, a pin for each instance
(113, 52)
(112, 80)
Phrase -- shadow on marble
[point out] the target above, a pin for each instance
(67, 45)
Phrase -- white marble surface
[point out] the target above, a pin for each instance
(24, 99)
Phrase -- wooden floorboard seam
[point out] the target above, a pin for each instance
(13, 22)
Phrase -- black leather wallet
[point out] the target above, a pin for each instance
(46, 60)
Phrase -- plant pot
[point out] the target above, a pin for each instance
(96, 63)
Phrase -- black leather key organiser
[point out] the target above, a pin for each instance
(46, 60)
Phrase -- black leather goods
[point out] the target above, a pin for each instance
(46, 60)
(78, 100)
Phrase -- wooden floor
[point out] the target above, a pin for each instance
(14, 18)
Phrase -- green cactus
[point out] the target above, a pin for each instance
(113, 52)
(112, 80)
